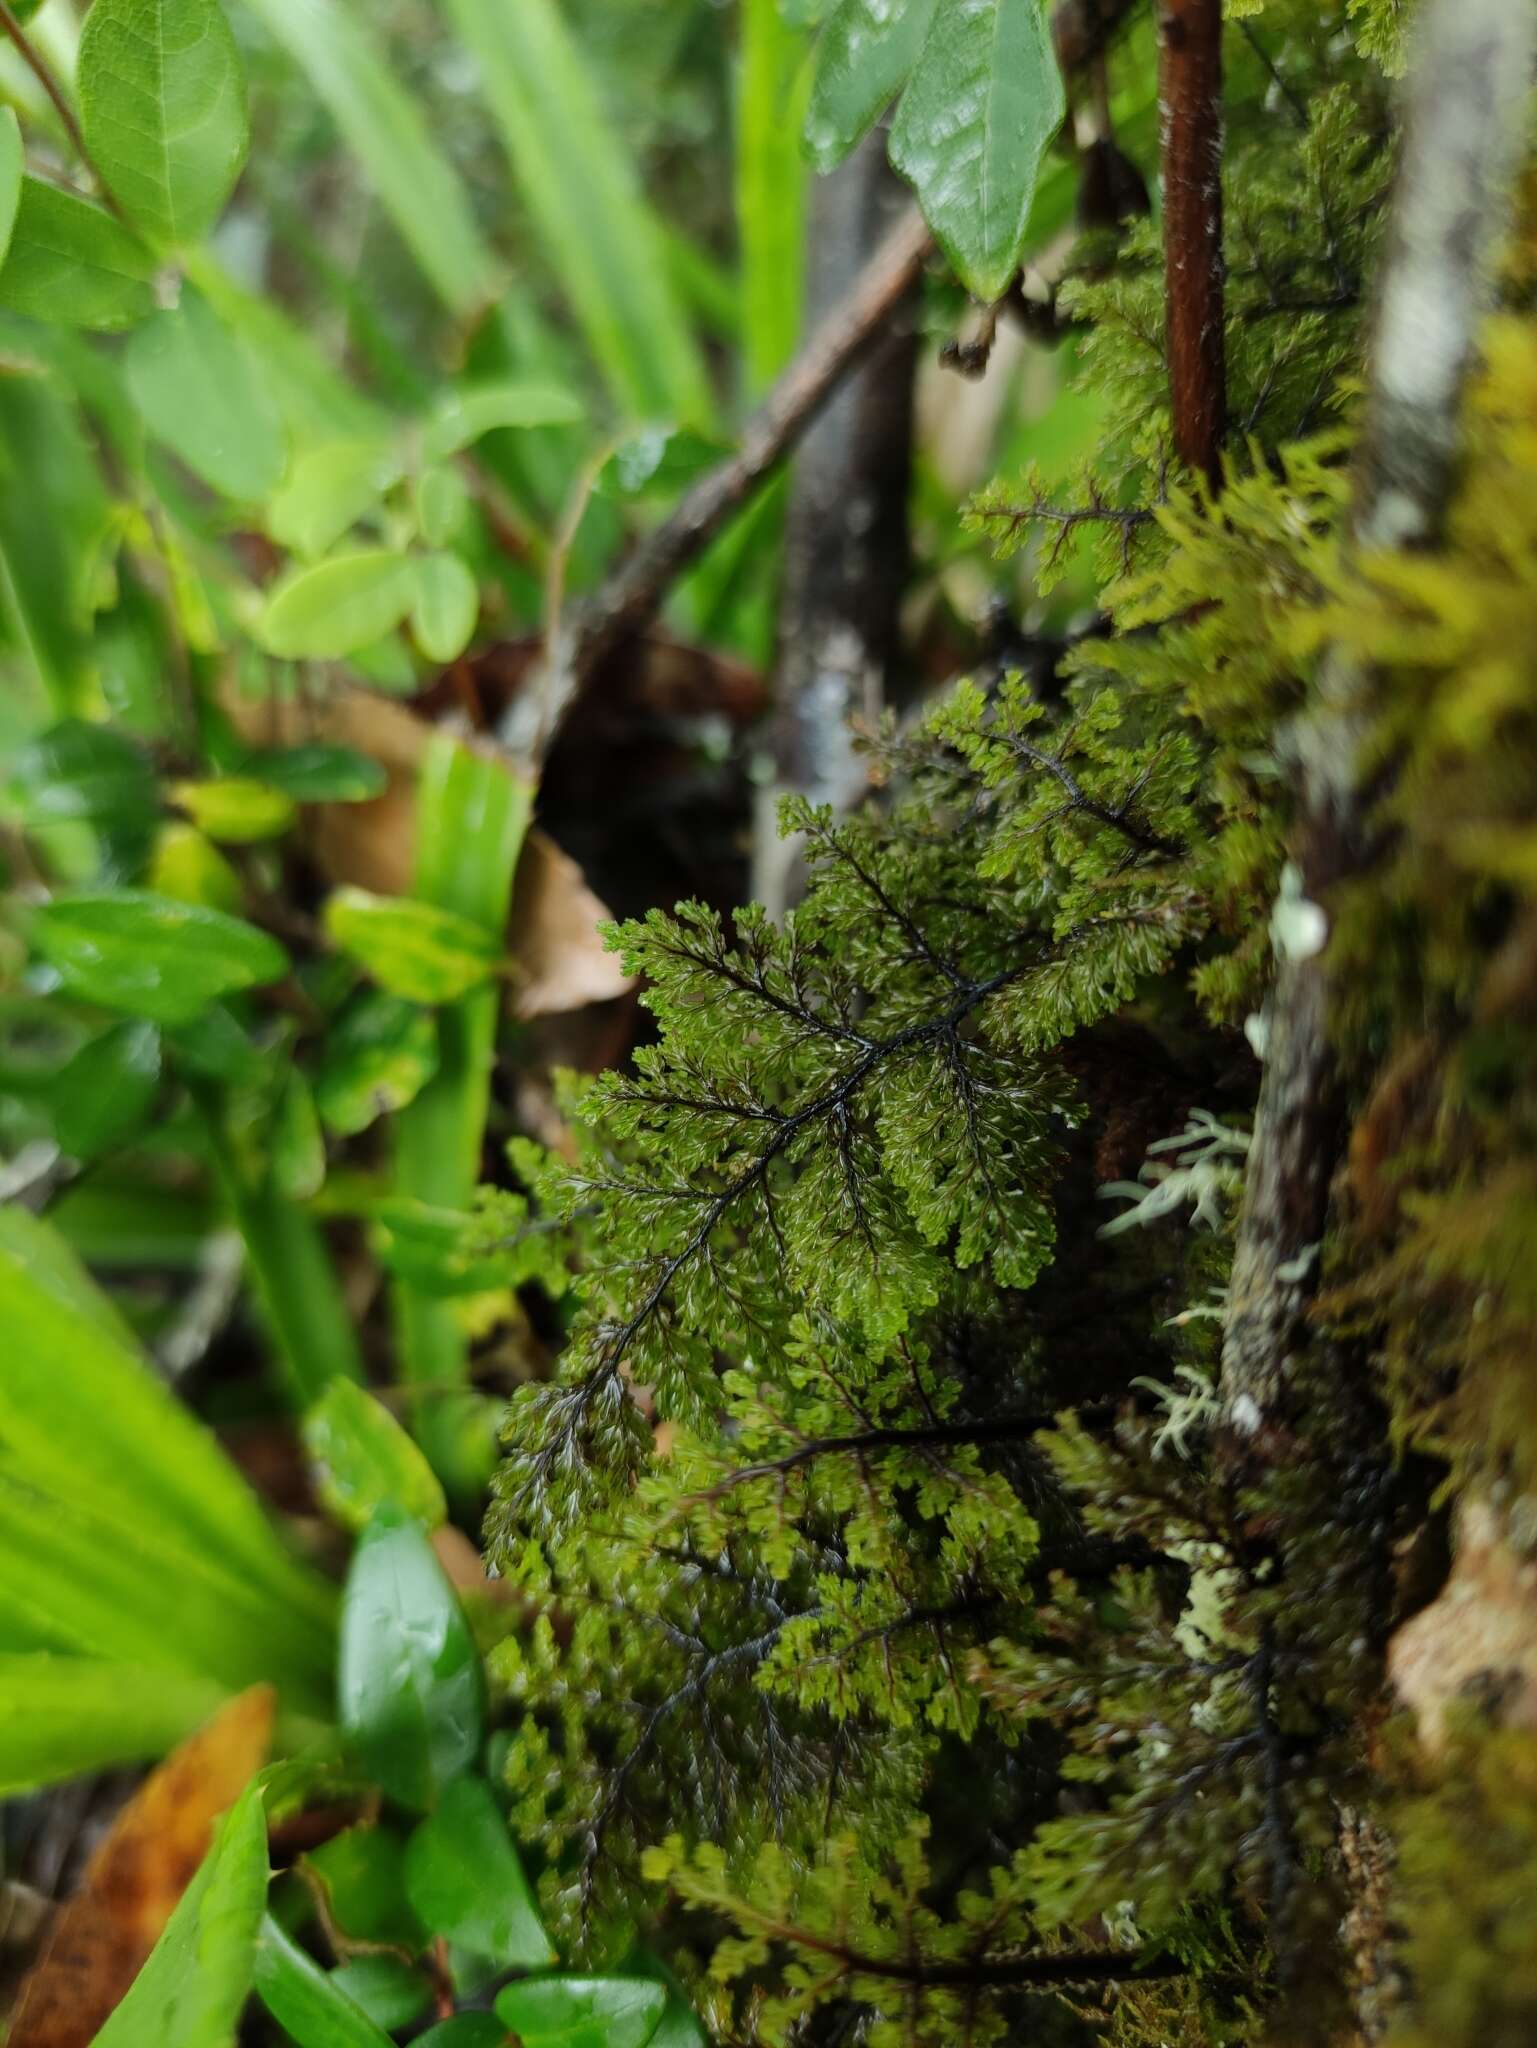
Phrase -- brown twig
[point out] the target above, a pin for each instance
(1464, 125)
(35, 62)
(630, 599)
(1190, 101)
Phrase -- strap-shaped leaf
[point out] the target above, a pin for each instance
(863, 61)
(983, 103)
(163, 109)
(10, 176)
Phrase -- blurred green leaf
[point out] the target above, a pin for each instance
(338, 606)
(447, 606)
(362, 1458)
(443, 503)
(163, 110)
(658, 461)
(305, 2000)
(466, 1882)
(863, 61)
(378, 1056)
(387, 1988)
(979, 111)
(582, 191)
(61, 1717)
(363, 1871)
(188, 866)
(383, 126)
(151, 956)
(770, 188)
(199, 392)
(583, 2012)
(328, 490)
(236, 809)
(314, 773)
(462, 416)
(411, 949)
(410, 1685)
(190, 1992)
(71, 263)
(467, 2030)
(12, 158)
(298, 1148)
(107, 1090)
(80, 772)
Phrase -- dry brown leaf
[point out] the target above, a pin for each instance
(553, 933)
(100, 1938)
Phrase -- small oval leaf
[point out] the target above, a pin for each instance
(460, 417)
(583, 2012)
(412, 949)
(446, 608)
(151, 956)
(338, 606)
(329, 489)
(465, 1881)
(378, 1056)
(363, 1459)
(235, 809)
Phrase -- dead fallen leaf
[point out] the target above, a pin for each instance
(1477, 1641)
(553, 938)
(100, 1938)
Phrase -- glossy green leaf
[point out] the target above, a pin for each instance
(466, 1882)
(80, 772)
(387, 1988)
(461, 417)
(583, 2012)
(447, 606)
(199, 392)
(107, 1090)
(315, 773)
(329, 488)
(466, 2030)
(190, 1992)
(378, 1056)
(72, 264)
(443, 503)
(410, 1686)
(235, 809)
(331, 43)
(298, 1147)
(582, 191)
(151, 956)
(338, 606)
(363, 1870)
(411, 949)
(863, 61)
(304, 1999)
(61, 1716)
(12, 158)
(163, 109)
(362, 1458)
(980, 110)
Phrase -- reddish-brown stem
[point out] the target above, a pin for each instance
(1190, 101)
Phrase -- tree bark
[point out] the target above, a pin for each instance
(1190, 104)
(846, 538)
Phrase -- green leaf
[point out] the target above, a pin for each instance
(188, 866)
(465, 1881)
(61, 1717)
(387, 1988)
(304, 2000)
(863, 60)
(328, 490)
(461, 417)
(107, 1090)
(378, 1056)
(447, 606)
(467, 2030)
(412, 949)
(410, 1687)
(583, 2012)
(163, 110)
(658, 461)
(235, 809)
(602, 240)
(190, 1992)
(12, 157)
(315, 773)
(363, 1871)
(72, 264)
(88, 774)
(383, 126)
(362, 1458)
(980, 109)
(773, 77)
(443, 502)
(128, 949)
(199, 392)
(298, 1148)
(338, 606)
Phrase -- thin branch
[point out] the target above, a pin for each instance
(1119, 820)
(1464, 127)
(35, 62)
(631, 598)
(1190, 97)
(934, 1436)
